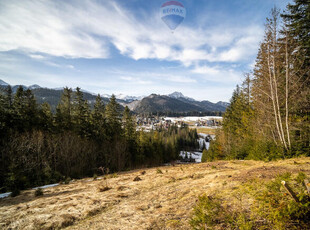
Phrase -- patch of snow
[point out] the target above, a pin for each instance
(193, 118)
(34, 87)
(194, 155)
(86, 91)
(58, 88)
(105, 95)
(46, 186)
(177, 95)
(129, 98)
(4, 195)
(203, 141)
(3, 83)
(7, 194)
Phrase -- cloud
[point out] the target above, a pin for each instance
(135, 80)
(126, 78)
(41, 26)
(180, 79)
(87, 29)
(218, 74)
(36, 56)
(153, 76)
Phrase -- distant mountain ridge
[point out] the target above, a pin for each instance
(178, 95)
(175, 102)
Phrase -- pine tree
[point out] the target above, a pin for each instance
(297, 18)
(297, 40)
(81, 114)
(30, 115)
(129, 127)
(64, 111)
(98, 119)
(113, 118)
(46, 117)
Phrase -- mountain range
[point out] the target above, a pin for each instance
(173, 103)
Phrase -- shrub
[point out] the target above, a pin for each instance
(279, 209)
(15, 192)
(158, 171)
(207, 213)
(103, 188)
(137, 178)
(38, 192)
(272, 207)
(67, 180)
(95, 176)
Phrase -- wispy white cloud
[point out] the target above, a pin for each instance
(218, 74)
(42, 26)
(36, 56)
(136, 76)
(87, 29)
(126, 78)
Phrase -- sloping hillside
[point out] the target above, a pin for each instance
(162, 199)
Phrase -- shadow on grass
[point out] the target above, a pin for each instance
(28, 195)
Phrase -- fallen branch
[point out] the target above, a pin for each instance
(290, 191)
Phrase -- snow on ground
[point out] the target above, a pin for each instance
(4, 195)
(46, 186)
(194, 155)
(190, 118)
(201, 142)
(7, 194)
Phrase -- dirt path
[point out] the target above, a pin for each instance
(160, 200)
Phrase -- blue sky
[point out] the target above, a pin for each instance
(122, 46)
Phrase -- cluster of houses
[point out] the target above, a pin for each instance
(155, 122)
(209, 123)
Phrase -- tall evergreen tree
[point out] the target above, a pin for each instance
(297, 31)
(113, 118)
(64, 111)
(130, 135)
(46, 117)
(81, 114)
(98, 119)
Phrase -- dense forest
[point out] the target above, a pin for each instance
(269, 115)
(40, 147)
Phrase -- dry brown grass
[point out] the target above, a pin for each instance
(158, 201)
(205, 130)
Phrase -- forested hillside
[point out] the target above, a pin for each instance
(39, 147)
(269, 115)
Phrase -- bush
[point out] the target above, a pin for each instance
(207, 212)
(272, 207)
(158, 171)
(15, 192)
(38, 192)
(279, 209)
(67, 180)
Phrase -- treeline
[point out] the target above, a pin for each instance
(269, 115)
(40, 147)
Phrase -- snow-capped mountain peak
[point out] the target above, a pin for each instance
(178, 95)
(222, 103)
(3, 83)
(128, 98)
(34, 87)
